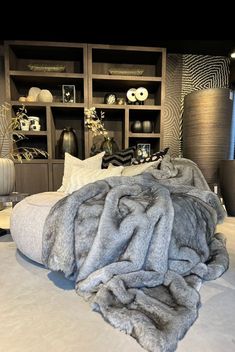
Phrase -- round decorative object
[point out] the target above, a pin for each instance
(136, 127)
(109, 146)
(33, 92)
(68, 142)
(30, 99)
(7, 176)
(121, 101)
(45, 96)
(147, 126)
(22, 99)
(110, 98)
(131, 95)
(141, 94)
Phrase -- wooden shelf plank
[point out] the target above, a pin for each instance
(127, 106)
(126, 78)
(144, 135)
(44, 75)
(110, 106)
(144, 107)
(53, 104)
(33, 133)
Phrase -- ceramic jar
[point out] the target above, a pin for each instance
(68, 142)
(136, 127)
(147, 126)
(7, 176)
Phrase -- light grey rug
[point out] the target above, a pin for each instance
(40, 311)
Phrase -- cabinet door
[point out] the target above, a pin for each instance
(32, 178)
(57, 175)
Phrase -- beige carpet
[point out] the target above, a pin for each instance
(40, 311)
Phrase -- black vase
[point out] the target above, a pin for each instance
(68, 142)
(109, 146)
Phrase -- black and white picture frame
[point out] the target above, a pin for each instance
(68, 93)
(143, 150)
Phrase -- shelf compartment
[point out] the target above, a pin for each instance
(38, 141)
(43, 105)
(114, 122)
(126, 58)
(34, 111)
(145, 115)
(144, 135)
(20, 85)
(154, 143)
(101, 87)
(70, 56)
(61, 118)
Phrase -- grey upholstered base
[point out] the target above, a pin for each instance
(27, 221)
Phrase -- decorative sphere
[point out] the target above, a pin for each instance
(45, 96)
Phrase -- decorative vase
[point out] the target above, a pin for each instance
(109, 145)
(147, 126)
(7, 176)
(68, 142)
(136, 127)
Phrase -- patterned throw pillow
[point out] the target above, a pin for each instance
(153, 157)
(120, 158)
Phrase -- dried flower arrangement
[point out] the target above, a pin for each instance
(94, 122)
(10, 135)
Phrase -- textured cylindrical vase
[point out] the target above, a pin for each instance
(207, 122)
(7, 176)
(68, 142)
(227, 184)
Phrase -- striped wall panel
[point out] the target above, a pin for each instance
(185, 74)
(172, 106)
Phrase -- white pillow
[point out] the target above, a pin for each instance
(69, 161)
(134, 170)
(82, 175)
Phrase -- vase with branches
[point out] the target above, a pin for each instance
(10, 134)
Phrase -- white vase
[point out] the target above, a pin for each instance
(7, 176)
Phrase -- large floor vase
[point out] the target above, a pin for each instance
(7, 176)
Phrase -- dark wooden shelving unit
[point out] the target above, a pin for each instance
(87, 66)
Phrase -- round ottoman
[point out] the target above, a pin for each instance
(27, 221)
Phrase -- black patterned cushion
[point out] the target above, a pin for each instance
(122, 157)
(153, 157)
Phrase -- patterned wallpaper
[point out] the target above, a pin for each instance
(185, 74)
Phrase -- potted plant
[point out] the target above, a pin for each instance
(9, 151)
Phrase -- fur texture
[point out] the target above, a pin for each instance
(139, 247)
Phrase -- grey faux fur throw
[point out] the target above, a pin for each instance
(139, 248)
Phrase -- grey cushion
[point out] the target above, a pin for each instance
(27, 221)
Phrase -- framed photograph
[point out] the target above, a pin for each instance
(143, 150)
(68, 93)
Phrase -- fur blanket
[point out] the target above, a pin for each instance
(139, 247)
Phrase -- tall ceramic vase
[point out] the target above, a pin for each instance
(68, 142)
(7, 176)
